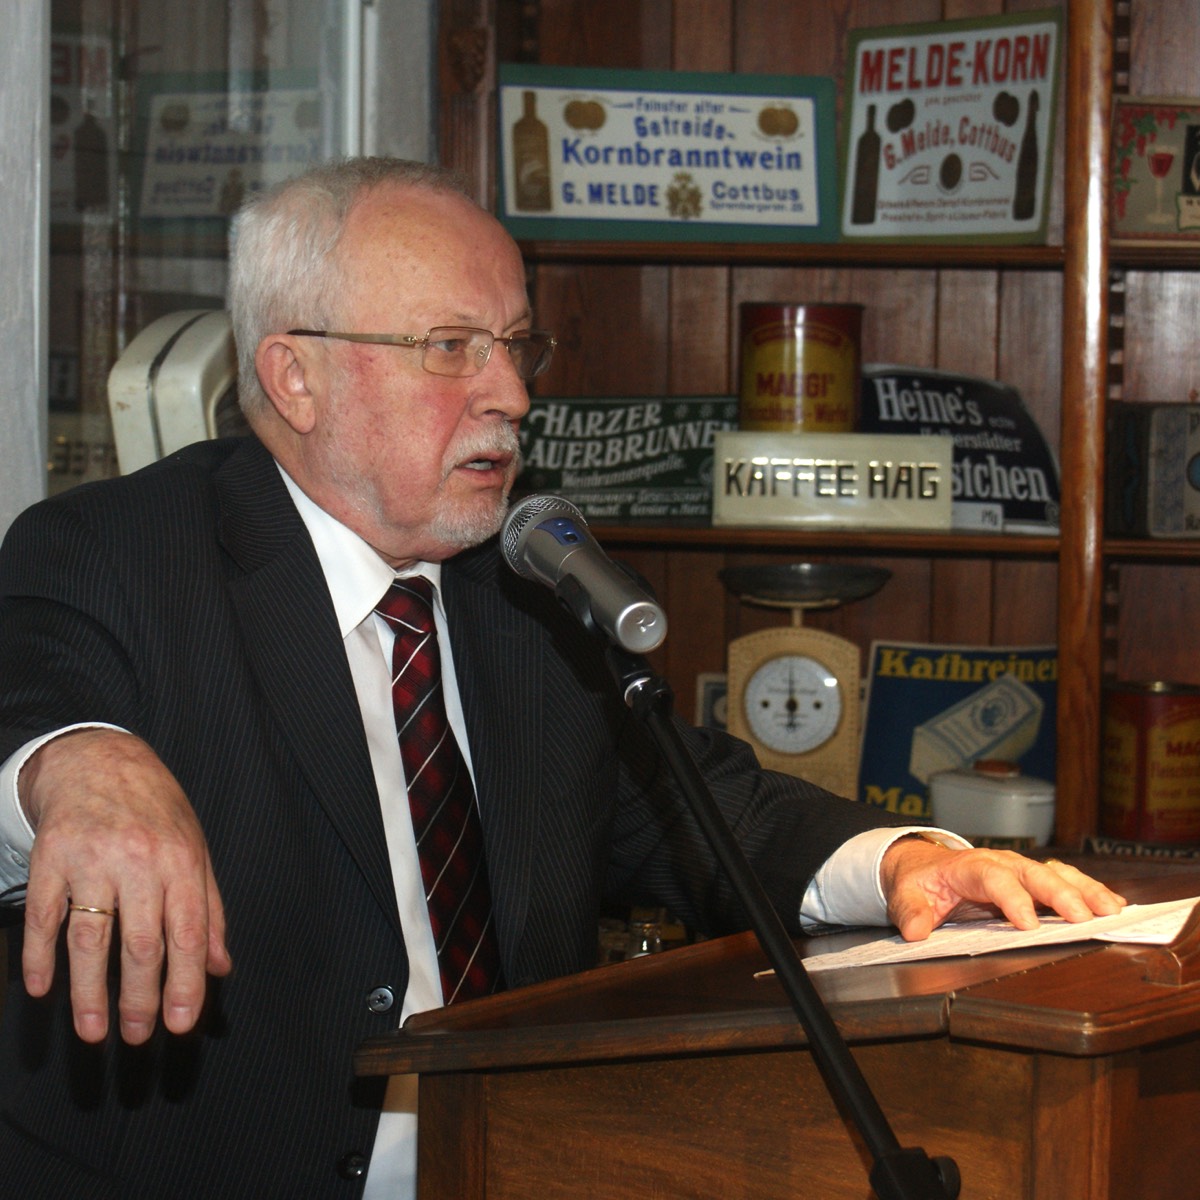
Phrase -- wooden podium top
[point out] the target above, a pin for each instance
(1081, 999)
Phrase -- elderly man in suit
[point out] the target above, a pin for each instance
(197, 727)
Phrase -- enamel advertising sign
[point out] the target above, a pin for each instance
(949, 130)
(666, 156)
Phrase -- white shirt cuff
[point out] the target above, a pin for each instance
(846, 889)
(16, 833)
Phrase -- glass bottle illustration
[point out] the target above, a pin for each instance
(531, 159)
(866, 173)
(1025, 191)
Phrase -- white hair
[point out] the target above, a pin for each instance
(284, 271)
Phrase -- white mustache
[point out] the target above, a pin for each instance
(499, 441)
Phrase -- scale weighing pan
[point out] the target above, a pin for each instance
(804, 585)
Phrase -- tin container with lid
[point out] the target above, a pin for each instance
(800, 367)
(992, 802)
(1150, 767)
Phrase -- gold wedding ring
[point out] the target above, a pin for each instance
(104, 912)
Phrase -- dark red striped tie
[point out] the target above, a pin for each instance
(445, 817)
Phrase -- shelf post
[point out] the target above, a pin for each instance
(1085, 358)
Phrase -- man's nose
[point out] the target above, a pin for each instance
(501, 390)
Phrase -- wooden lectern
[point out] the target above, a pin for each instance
(1063, 1073)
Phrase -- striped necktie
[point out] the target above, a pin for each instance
(444, 814)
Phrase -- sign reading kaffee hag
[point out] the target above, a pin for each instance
(856, 480)
(949, 129)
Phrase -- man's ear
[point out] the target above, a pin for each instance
(288, 371)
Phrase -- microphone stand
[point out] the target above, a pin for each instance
(896, 1173)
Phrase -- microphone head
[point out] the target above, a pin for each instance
(524, 517)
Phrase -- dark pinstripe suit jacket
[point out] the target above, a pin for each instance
(186, 603)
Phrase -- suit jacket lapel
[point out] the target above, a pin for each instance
(296, 651)
(499, 674)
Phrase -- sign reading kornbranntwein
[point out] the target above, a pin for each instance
(949, 129)
(666, 156)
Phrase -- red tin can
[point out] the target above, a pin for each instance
(800, 367)
(1151, 762)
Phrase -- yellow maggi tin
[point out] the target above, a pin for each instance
(800, 367)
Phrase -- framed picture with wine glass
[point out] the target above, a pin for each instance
(1155, 170)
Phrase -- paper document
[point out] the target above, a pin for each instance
(1148, 924)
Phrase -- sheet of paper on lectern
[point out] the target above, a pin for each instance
(1145, 924)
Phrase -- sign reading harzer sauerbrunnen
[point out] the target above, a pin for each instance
(949, 129)
(666, 156)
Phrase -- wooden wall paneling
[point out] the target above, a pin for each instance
(702, 35)
(961, 601)
(695, 599)
(700, 364)
(1162, 365)
(778, 37)
(902, 607)
(897, 612)
(617, 33)
(967, 321)
(1164, 49)
(1158, 608)
(1162, 352)
(967, 334)
(1030, 344)
(466, 91)
(612, 327)
(1029, 358)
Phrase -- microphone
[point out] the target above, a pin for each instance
(546, 538)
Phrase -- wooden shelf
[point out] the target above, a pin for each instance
(1151, 549)
(918, 256)
(913, 256)
(840, 541)
(1177, 257)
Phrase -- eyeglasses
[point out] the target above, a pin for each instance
(458, 350)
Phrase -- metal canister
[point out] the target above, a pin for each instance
(800, 367)
(1151, 762)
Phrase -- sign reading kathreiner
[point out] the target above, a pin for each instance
(949, 130)
(666, 156)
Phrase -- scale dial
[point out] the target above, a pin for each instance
(793, 695)
(793, 704)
